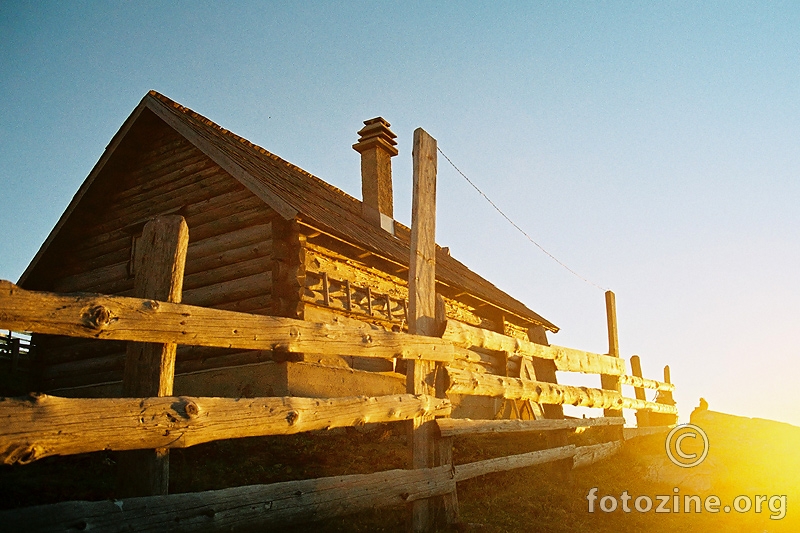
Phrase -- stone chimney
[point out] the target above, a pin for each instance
(377, 147)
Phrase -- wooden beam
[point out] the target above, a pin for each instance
(511, 462)
(451, 427)
(141, 320)
(611, 381)
(638, 381)
(566, 359)
(469, 383)
(160, 257)
(247, 508)
(41, 426)
(422, 307)
(588, 455)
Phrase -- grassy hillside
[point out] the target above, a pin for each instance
(746, 457)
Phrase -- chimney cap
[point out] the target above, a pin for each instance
(376, 132)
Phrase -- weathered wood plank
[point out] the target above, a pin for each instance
(231, 290)
(258, 305)
(150, 367)
(451, 427)
(228, 272)
(566, 359)
(86, 280)
(41, 426)
(160, 260)
(202, 186)
(112, 251)
(511, 462)
(227, 257)
(152, 172)
(464, 382)
(248, 508)
(422, 306)
(135, 319)
(588, 455)
(227, 241)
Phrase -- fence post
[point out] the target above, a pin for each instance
(422, 308)
(443, 454)
(159, 262)
(665, 397)
(642, 416)
(611, 382)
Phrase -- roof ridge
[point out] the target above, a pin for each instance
(208, 122)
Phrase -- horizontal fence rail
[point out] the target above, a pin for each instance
(246, 508)
(41, 426)
(470, 383)
(142, 320)
(279, 504)
(450, 427)
(644, 383)
(566, 359)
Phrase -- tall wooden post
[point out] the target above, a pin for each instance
(664, 397)
(642, 416)
(422, 307)
(159, 261)
(611, 382)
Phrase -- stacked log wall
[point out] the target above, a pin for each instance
(229, 262)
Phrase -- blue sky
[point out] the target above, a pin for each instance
(652, 147)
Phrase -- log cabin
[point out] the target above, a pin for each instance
(265, 237)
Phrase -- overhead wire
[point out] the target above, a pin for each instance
(514, 224)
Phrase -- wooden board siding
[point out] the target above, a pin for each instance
(229, 262)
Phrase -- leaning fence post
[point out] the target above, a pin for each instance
(642, 416)
(159, 261)
(422, 308)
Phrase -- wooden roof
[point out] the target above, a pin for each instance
(294, 193)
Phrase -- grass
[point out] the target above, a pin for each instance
(544, 498)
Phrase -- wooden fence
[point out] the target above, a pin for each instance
(151, 418)
(15, 350)
(40, 426)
